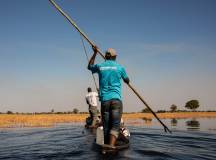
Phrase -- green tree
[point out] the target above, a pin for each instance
(173, 108)
(192, 104)
(75, 111)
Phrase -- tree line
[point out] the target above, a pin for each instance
(74, 111)
(192, 105)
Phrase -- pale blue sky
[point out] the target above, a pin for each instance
(167, 47)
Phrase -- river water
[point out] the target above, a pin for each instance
(191, 140)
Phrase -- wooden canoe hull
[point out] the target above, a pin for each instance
(107, 149)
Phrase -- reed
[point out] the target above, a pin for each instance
(39, 120)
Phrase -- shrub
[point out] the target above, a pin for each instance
(9, 112)
(75, 111)
(161, 111)
(146, 110)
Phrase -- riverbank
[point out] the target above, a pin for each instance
(171, 115)
(48, 120)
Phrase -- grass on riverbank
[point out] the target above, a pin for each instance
(38, 120)
(47, 120)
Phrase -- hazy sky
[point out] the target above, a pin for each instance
(168, 48)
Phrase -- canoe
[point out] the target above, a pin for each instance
(107, 149)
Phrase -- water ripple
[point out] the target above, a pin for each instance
(73, 142)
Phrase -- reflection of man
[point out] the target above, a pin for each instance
(91, 100)
(110, 75)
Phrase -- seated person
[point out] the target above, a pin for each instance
(124, 135)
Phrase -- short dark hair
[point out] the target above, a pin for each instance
(109, 57)
(89, 89)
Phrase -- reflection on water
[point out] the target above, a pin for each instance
(174, 122)
(193, 124)
(198, 124)
(147, 121)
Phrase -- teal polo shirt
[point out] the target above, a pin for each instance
(110, 75)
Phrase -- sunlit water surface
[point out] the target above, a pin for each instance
(189, 141)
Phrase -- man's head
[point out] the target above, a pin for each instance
(89, 89)
(110, 54)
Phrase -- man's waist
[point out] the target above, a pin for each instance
(111, 99)
(110, 95)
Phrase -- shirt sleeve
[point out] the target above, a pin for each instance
(94, 68)
(123, 73)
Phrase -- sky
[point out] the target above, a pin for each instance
(167, 47)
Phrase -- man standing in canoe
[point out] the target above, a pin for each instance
(110, 75)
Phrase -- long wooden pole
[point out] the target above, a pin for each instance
(88, 40)
(74, 24)
(138, 95)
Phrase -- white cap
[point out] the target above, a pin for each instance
(111, 51)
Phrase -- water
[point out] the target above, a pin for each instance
(201, 124)
(148, 142)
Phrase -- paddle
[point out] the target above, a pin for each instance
(101, 54)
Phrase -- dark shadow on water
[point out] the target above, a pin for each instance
(153, 153)
(193, 124)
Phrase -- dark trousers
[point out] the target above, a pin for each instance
(111, 112)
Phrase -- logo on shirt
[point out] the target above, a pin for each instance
(108, 68)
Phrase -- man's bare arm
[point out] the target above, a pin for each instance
(92, 59)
